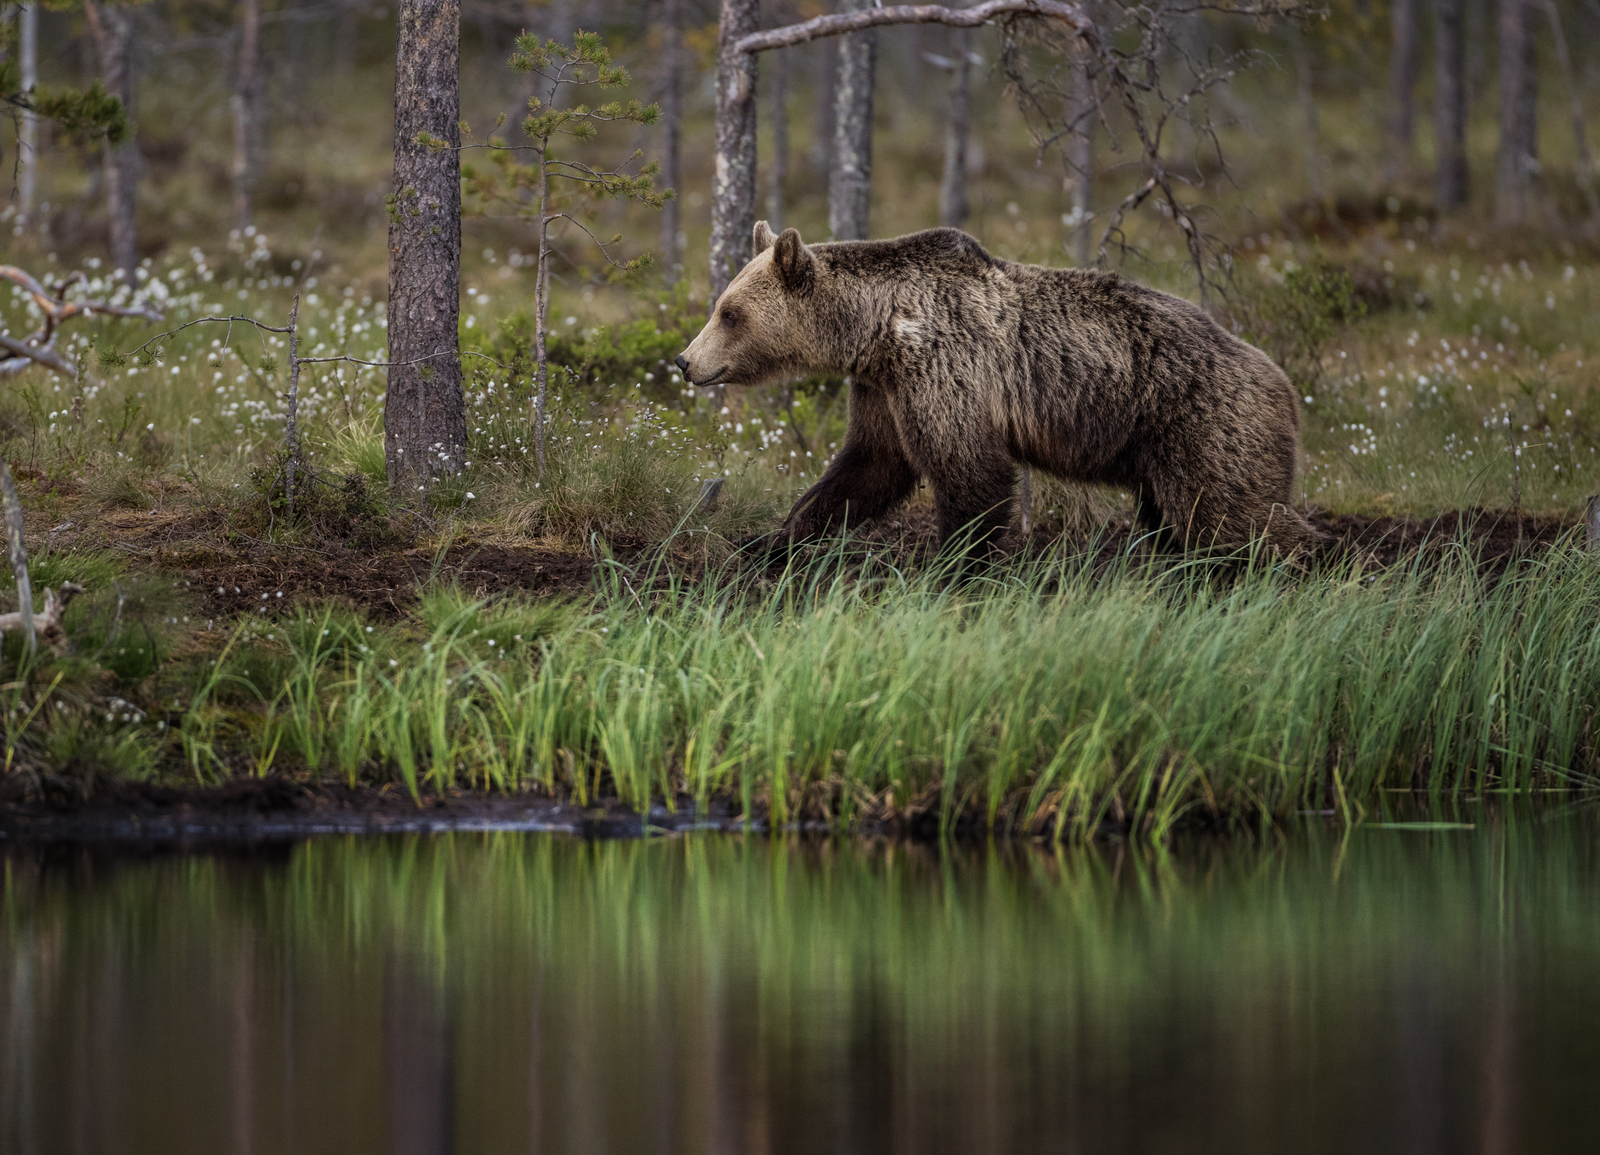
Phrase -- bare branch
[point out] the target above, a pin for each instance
(601, 245)
(24, 353)
(844, 22)
(58, 309)
(134, 352)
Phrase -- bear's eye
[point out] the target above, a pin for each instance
(729, 317)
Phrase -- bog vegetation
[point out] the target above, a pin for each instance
(1442, 364)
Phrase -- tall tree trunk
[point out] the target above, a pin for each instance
(826, 71)
(1080, 155)
(733, 177)
(111, 28)
(671, 122)
(953, 204)
(424, 414)
(1479, 42)
(780, 140)
(850, 179)
(1402, 80)
(1450, 104)
(1308, 111)
(1516, 161)
(1580, 133)
(247, 115)
(346, 30)
(28, 129)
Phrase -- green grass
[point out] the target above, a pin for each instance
(1053, 697)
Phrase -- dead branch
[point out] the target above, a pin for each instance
(1143, 84)
(47, 623)
(39, 346)
(25, 353)
(844, 22)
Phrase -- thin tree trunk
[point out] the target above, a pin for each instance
(1081, 158)
(541, 313)
(28, 129)
(850, 179)
(424, 414)
(733, 178)
(111, 28)
(1308, 111)
(1402, 81)
(1516, 160)
(1478, 43)
(953, 204)
(671, 122)
(246, 103)
(780, 141)
(827, 74)
(345, 33)
(1580, 134)
(1450, 104)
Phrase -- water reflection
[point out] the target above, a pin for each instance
(1396, 991)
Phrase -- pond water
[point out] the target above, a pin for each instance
(1309, 991)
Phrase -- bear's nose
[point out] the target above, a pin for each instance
(681, 362)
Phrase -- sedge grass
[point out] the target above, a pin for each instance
(1053, 697)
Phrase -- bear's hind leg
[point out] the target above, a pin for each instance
(1217, 518)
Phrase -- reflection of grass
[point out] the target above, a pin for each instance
(1053, 698)
(1001, 987)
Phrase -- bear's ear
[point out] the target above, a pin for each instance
(797, 267)
(762, 240)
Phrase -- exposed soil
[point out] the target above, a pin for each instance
(1496, 536)
(385, 582)
(281, 807)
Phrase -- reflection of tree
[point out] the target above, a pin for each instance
(1499, 1077)
(418, 1059)
(243, 1066)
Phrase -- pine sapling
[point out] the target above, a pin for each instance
(534, 189)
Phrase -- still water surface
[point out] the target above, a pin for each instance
(1391, 990)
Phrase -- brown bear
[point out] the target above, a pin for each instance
(963, 364)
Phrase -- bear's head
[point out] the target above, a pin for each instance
(765, 323)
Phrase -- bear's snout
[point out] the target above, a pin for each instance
(682, 362)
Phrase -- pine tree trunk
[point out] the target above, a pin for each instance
(1516, 159)
(28, 126)
(247, 127)
(671, 123)
(953, 204)
(733, 178)
(780, 140)
(1580, 132)
(826, 70)
(1402, 81)
(111, 28)
(424, 416)
(1081, 159)
(1450, 104)
(1305, 86)
(850, 180)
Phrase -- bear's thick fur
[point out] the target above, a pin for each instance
(963, 364)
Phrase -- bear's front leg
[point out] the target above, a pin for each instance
(870, 476)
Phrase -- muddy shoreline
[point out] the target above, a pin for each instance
(276, 807)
